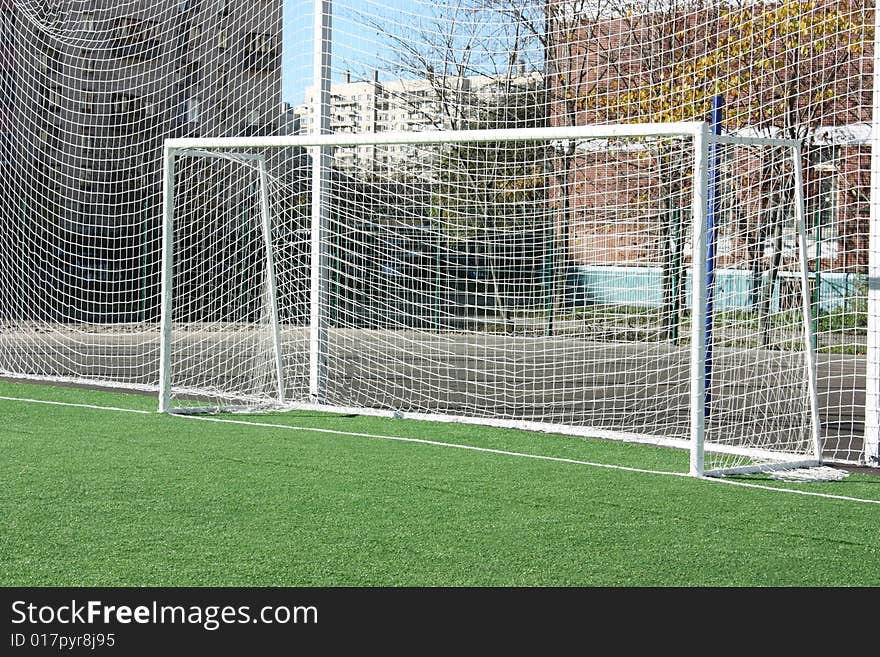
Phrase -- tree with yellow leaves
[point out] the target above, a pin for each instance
(784, 68)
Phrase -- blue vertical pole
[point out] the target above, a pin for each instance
(711, 239)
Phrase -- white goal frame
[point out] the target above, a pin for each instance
(320, 145)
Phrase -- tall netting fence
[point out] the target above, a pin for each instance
(90, 89)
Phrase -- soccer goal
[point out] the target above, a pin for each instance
(635, 282)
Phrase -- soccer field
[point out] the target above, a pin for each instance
(100, 490)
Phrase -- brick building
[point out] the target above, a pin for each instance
(790, 69)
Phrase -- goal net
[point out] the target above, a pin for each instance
(634, 282)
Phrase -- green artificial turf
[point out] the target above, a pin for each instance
(107, 498)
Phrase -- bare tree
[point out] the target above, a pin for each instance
(480, 68)
(575, 66)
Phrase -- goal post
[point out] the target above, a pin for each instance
(480, 276)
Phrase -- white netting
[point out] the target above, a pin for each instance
(757, 381)
(240, 274)
(821, 473)
(89, 89)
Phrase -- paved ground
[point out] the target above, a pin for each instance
(566, 380)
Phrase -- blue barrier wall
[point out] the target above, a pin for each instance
(642, 287)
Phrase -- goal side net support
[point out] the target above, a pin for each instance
(584, 280)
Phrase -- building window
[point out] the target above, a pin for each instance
(260, 50)
(5, 147)
(193, 110)
(125, 104)
(135, 39)
(7, 26)
(89, 103)
(126, 113)
(822, 211)
(52, 100)
(7, 86)
(263, 43)
(89, 25)
(192, 74)
(223, 39)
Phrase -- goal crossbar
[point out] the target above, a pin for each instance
(685, 128)
(202, 146)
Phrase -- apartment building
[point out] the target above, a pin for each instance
(424, 104)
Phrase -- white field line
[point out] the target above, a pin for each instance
(437, 443)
